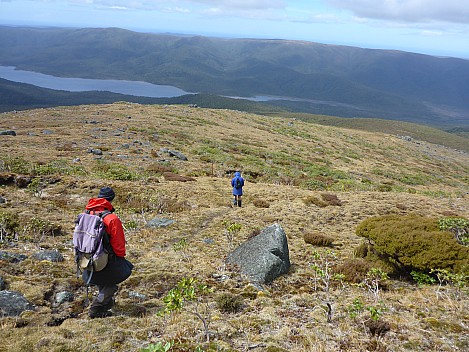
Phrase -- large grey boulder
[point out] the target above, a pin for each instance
(13, 303)
(263, 257)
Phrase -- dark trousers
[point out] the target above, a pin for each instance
(117, 270)
(104, 301)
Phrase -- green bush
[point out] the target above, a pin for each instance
(114, 171)
(458, 226)
(414, 242)
(9, 224)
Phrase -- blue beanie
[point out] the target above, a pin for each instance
(106, 193)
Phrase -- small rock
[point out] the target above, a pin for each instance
(12, 257)
(96, 151)
(64, 296)
(50, 255)
(159, 222)
(136, 295)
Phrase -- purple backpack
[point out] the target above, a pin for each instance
(91, 242)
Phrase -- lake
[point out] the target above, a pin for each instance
(136, 88)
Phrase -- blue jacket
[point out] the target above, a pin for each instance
(237, 191)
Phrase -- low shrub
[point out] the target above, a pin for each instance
(229, 303)
(318, 239)
(325, 200)
(314, 200)
(459, 227)
(354, 270)
(414, 242)
(37, 228)
(260, 203)
(9, 223)
(169, 176)
(331, 199)
(114, 171)
(159, 169)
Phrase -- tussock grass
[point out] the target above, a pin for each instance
(289, 169)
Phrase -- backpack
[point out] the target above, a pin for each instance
(238, 183)
(91, 242)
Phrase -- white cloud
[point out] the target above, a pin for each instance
(408, 10)
(222, 5)
(243, 4)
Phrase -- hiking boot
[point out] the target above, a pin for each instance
(102, 314)
(109, 304)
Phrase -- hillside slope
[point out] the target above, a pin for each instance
(287, 164)
(333, 80)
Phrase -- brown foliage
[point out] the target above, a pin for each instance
(317, 239)
(260, 203)
(355, 269)
(325, 200)
(159, 169)
(169, 176)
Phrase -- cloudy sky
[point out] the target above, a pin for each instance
(435, 27)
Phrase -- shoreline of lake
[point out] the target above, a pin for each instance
(135, 88)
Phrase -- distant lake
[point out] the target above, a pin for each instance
(137, 88)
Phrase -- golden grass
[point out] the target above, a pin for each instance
(279, 162)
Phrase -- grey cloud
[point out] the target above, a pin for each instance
(408, 10)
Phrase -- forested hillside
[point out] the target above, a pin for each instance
(325, 79)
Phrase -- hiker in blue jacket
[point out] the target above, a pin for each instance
(237, 182)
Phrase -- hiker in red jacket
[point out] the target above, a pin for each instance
(118, 268)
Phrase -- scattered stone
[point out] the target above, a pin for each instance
(177, 154)
(76, 160)
(52, 255)
(2, 200)
(47, 132)
(208, 241)
(95, 151)
(3, 286)
(64, 296)
(12, 257)
(136, 295)
(8, 133)
(174, 153)
(263, 257)
(13, 303)
(159, 222)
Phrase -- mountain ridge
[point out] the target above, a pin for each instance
(376, 83)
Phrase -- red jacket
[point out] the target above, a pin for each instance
(113, 224)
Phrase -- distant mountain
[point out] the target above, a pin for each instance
(326, 79)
